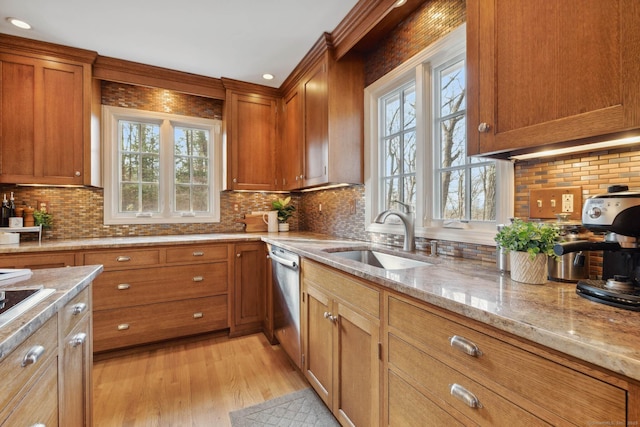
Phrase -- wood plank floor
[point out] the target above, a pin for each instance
(192, 384)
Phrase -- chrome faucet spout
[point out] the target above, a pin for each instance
(409, 227)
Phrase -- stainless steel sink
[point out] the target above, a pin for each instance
(381, 259)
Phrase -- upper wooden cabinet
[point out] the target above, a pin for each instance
(251, 115)
(543, 74)
(45, 102)
(324, 114)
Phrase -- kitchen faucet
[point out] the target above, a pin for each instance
(407, 220)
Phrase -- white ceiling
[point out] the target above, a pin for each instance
(238, 39)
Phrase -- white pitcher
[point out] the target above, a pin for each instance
(271, 219)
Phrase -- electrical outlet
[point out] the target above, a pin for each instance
(567, 203)
(352, 206)
(235, 207)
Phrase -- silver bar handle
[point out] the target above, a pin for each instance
(198, 315)
(198, 253)
(123, 286)
(465, 345)
(198, 279)
(465, 396)
(78, 339)
(280, 260)
(32, 355)
(39, 425)
(78, 308)
(123, 326)
(123, 258)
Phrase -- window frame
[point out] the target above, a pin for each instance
(419, 68)
(168, 122)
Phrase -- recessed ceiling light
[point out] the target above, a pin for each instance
(19, 23)
(267, 76)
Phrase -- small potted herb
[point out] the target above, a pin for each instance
(529, 244)
(42, 217)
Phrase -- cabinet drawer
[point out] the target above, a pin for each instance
(113, 260)
(155, 322)
(437, 379)
(34, 262)
(39, 406)
(574, 396)
(116, 289)
(75, 310)
(193, 254)
(343, 286)
(14, 375)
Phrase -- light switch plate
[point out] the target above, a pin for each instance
(567, 200)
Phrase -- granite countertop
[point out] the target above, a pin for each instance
(67, 282)
(552, 314)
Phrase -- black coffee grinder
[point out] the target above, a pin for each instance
(617, 214)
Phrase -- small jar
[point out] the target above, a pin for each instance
(29, 221)
(19, 212)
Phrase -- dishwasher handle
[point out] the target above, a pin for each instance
(283, 261)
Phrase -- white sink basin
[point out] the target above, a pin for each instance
(381, 260)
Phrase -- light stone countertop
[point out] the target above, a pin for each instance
(67, 282)
(552, 315)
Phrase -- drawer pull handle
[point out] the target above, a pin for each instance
(198, 315)
(123, 286)
(198, 279)
(464, 345)
(39, 425)
(32, 355)
(330, 317)
(198, 253)
(78, 308)
(123, 258)
(78, 339)
(123, 326)
(465, 396)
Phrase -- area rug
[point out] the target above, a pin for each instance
(300, 409)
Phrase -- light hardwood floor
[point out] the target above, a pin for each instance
(191, 384)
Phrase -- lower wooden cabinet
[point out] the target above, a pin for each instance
(341, 343)
(249, 288)
(38, 261)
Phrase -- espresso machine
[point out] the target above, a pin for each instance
(617, 215)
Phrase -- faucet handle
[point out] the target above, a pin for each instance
(406, 206)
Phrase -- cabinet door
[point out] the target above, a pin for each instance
(251, 134)
(316, 138)
(290, 153)
(42, 121)
(75, 376)
(318, 343)
(552, 72)
(357, 374)
(248, 299)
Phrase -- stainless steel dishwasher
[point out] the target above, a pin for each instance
(286, 301)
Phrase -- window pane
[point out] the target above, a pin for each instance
(391, 192)
(130, 167)
(150, 198)
(409, 107)
(200, 171)
(391, 115)
(191, 163)
(453, 142)
(182, 170)
(200, 198)
(410, 191)
(453, 195)
(129, 200)
(483, 194)
(409, 152)
(183, 198)
(452, 87)
(392, 158)
(150, 168)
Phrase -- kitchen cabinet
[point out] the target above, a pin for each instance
(324, 113)
(540, 75)
(476, 376)
(249, 288)
(30, 393)
(251, 113)
(159, 293)
(341, 347)
(45, 99)
(76, 361)
(37, 261)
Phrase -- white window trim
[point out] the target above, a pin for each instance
(110, 117)
(419, 68)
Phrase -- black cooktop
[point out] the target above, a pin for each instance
(596, 290)
(11, 298)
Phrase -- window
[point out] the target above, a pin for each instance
(415, 150)
(160, 168)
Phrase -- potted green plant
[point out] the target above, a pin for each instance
(42, 217)
(285, 211)
(529, 244)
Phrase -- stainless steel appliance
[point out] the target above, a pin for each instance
(572, 266)
(617, 214)
(286, 301)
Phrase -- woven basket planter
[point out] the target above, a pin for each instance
(526, 270)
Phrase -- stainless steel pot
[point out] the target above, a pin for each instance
(572, 266)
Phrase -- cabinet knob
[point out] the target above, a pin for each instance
(238, 255)
(32, 355)
(235, 180)
(465, 396)
(484, 127)
(78, 308)
(301, 177)
(330, 317)
(78, 339)
(77, 173)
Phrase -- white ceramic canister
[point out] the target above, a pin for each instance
(271, 219)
